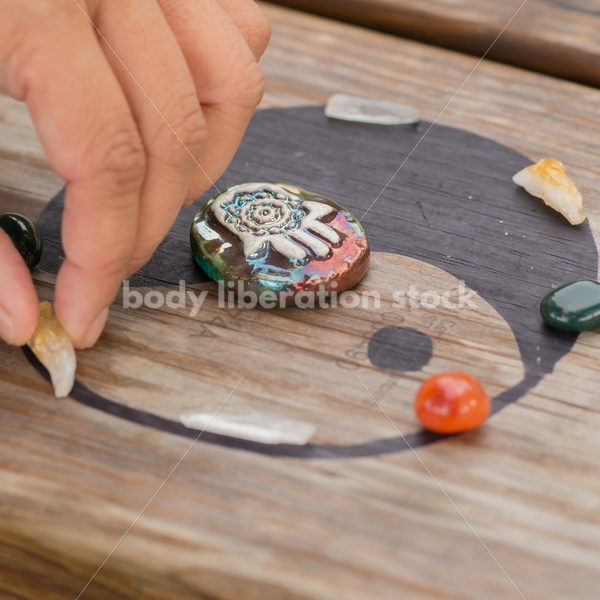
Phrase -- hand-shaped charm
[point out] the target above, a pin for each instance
(279, 238)
(262, 213)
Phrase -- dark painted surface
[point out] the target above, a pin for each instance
(470, 28)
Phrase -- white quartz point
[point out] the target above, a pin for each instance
(53, 348)
(368, 110)
(256, 427)
(548, 180)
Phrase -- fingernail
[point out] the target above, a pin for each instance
(95, 329)
(7, 328)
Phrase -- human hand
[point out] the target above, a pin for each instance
(140, 106)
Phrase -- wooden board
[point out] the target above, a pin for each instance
(451, 215)
(230, 523)
(558, 37)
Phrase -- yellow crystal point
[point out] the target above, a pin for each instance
(547, 179)
(53, 348)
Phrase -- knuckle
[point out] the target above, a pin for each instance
(106, 263)
(116, 153)
(191, 127)
(257, 28)
(24, 33)
(253, 85)
(185, 134)
(24, 45)
(102, 245)
(112, 268)
(243, 86)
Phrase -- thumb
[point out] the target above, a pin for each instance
(18, 298)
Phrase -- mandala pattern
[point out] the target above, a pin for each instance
(263, 213)
(278, 238)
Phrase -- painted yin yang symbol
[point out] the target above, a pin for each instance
(461, 258)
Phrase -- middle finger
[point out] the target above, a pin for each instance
(155, 78)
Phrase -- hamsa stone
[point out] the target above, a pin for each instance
(280, 239)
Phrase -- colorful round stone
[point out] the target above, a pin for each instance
(280, 239)
(452, 402)
(24, 236)
(573, 306)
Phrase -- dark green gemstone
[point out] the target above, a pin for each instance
(574, 306)
(24, 236)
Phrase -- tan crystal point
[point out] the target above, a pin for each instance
(53, 348)
(548, 180)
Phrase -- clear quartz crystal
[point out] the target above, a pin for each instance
(253, 426)
(368, 110)
(53, 348)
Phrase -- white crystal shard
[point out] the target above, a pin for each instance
(368, 110)
(53, 348)
(253, 426)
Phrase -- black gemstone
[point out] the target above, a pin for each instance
(24, 236)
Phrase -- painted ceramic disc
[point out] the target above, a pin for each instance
(279, 238)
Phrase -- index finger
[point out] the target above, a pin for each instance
(92, 141)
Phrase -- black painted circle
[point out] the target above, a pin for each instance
(452, 204)
(400, 349)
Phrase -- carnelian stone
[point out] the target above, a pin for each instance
(452, 402)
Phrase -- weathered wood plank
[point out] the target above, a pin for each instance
(558, 37)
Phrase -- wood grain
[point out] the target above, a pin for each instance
(230, 524)
(558, 37)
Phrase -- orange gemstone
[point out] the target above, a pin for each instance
(452, 402)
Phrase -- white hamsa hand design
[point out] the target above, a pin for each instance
(263, 213)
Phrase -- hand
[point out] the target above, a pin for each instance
(140, 106)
